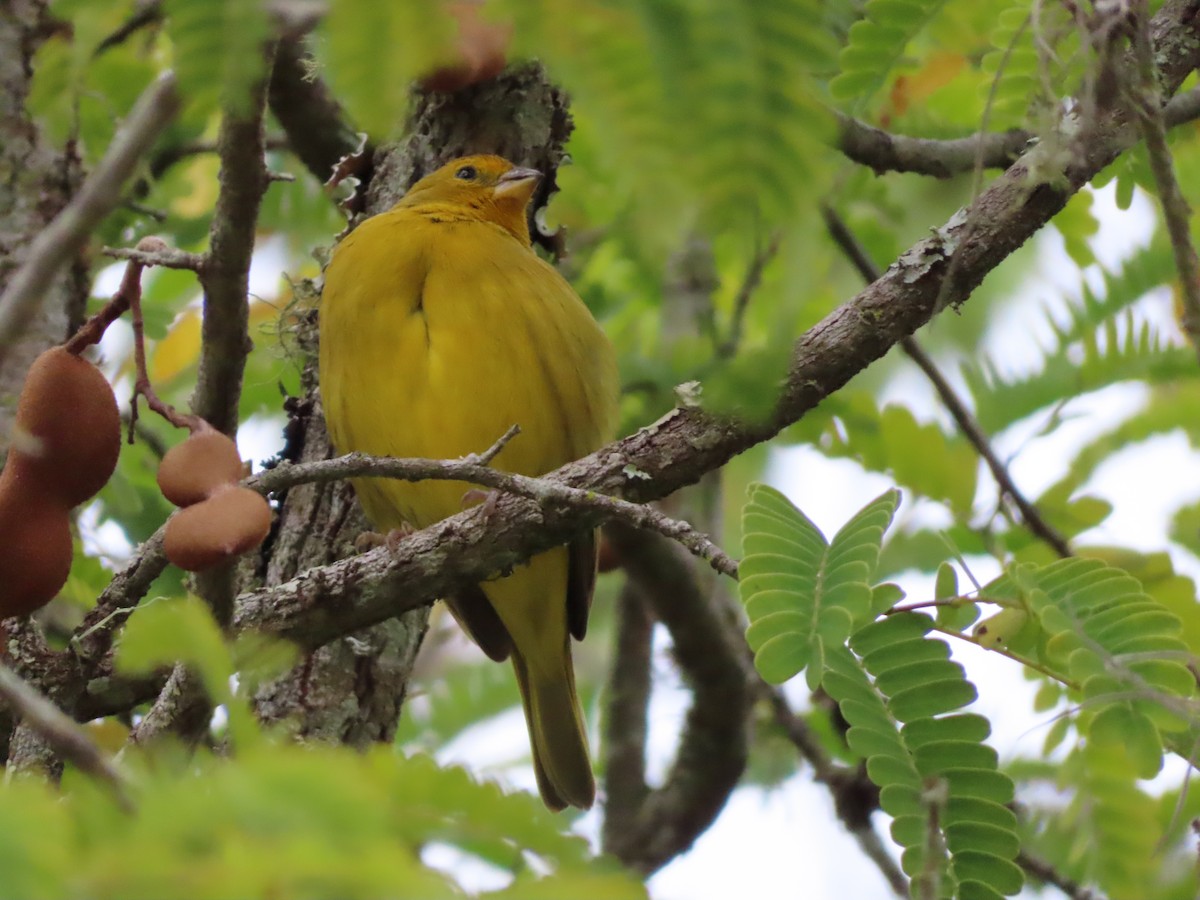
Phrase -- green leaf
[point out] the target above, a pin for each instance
(900, 693)
(219, 52)
(375, 50)
(164, 632)
(875, 44)
(801, 593)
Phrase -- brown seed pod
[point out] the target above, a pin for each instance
(230, 522)
(35, 540)
(199, 466)
(68, 426)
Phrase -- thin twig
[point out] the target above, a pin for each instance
(225, 338)
(141, 385)
(541, 490)
(170, 258)
(100, 194)
(93, 329)
(1147, 104)
(147, 13)
(741, 303)
(1045, 871)
(886, 152)
(485, 458)
(971, 429)
(62, 733)
(883, 151)
(854, 797)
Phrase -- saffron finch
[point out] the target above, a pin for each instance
(440, 329)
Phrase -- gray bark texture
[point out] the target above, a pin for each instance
(36, 181)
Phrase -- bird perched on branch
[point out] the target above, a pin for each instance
(440, 329)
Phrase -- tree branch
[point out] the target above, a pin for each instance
(1148, 107)
(741, 302)
(854, 796)
(713, 747)
(169, 258)
(314, 121)
(61, 734)
(100, 194)
(543, 491)
(225, 336)
(224, 274)
(628, 693)
(883, 151)
(971, 429)
(1045, 871)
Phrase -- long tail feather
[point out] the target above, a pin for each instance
(556, 734)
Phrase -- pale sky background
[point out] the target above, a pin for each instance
(786, 843)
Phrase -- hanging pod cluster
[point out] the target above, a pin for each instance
(218, 519)
(65, 447)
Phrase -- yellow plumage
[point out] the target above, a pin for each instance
(440, 329)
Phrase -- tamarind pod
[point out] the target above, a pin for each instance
(194, 469)
(35, 540)
(68, 426)
(227, 524)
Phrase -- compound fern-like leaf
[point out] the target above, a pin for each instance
(875, 45)
(1120, 648)
(804, 594)
(940, 782)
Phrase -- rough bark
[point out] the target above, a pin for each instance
(37, 180)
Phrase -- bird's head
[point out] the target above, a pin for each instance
(491, 186)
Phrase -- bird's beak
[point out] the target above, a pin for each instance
(517, 182)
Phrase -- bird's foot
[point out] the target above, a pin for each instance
(489, 499)
(369, 540)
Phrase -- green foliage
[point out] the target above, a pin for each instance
(811, 606)
(709, 107)
(1034, 60)
(277, 818)
(920, 456)
(77, 95)
(218, 55)
(289, 821)
(370, 45)
(803, 594)
(1122, 350)
(938, 779)
(1118, 648)
(1119, 832)
(875, 44)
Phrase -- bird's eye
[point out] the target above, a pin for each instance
(466, 173)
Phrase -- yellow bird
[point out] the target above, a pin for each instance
(440, 329)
